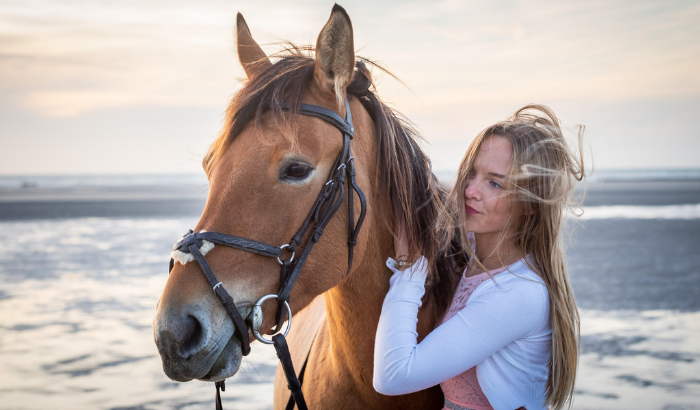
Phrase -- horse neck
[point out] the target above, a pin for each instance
(354, 306)
(353, 309)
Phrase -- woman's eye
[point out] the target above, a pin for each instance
(495, 184)
(296, 171)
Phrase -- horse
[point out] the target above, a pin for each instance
(265, 170)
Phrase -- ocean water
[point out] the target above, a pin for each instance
(71, 181)
(79, 280)
(136, 180)
(77, 301)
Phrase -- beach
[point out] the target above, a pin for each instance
(85, 262)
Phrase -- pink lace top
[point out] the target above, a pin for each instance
(464, 389)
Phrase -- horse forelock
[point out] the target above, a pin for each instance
(405, 169)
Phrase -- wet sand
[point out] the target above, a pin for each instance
(638, 193)
(170, 201)
(82, 270)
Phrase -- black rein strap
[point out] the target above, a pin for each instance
(326, 205)
(293, 383)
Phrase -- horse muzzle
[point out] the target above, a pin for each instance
(195, 343)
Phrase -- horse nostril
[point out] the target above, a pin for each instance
(192, 334)
(182, 336)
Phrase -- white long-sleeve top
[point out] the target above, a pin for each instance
(504, 330)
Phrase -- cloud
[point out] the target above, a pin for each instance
(468, 63)
(68, 58)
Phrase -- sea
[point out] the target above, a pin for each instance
(84, 260)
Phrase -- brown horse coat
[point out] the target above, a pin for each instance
(251, 195)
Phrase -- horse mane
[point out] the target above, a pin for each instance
(405, 170)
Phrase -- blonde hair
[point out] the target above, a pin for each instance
(544, 172)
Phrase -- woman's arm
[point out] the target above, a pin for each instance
(488, 323)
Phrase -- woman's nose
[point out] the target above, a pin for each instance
(471, 191)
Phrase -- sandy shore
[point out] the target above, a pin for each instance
(95, 201)
(170, 200)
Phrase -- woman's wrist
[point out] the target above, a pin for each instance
(404, 261)
(416, 272)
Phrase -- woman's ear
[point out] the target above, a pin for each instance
(522, 209)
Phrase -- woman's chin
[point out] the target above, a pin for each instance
(227, 364)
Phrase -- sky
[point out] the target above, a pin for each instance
(140, 87)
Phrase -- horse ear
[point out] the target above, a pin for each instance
(252, 57)
(335, 54)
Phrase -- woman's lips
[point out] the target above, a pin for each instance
(470, 210)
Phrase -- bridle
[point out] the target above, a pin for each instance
(326, 205)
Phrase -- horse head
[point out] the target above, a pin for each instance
(267, 170)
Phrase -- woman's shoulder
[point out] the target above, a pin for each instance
(519, 274)
(518, 283)
(523, 270)
(518, 298)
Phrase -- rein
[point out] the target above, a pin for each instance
(326, 205)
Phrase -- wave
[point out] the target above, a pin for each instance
(689, 211)
(611, 175)
(73, 181)
(622, 175)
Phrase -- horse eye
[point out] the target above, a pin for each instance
(296, 171)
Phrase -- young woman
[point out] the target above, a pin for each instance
(510, 337)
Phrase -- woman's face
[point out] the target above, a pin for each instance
(487, 202)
